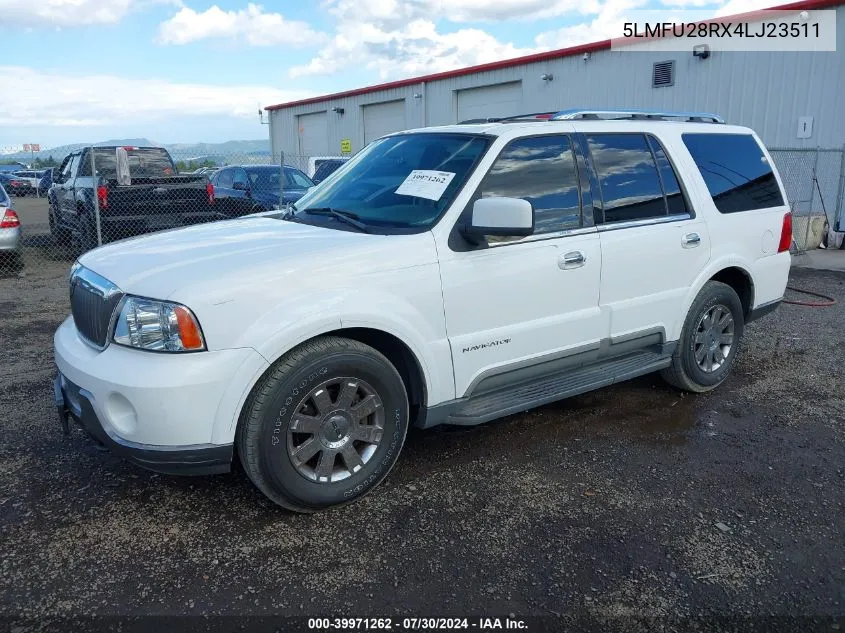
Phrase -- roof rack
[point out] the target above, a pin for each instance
(653, 115)
(604, 115)
(534, 116)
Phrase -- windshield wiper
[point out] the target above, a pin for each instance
(344, 216)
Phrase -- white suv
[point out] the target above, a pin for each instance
(444, 275)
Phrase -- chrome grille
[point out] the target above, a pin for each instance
(93, 299)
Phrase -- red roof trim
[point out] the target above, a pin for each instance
(527, 59)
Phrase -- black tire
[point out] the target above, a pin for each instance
(696, 346)
(267, 441)
(85, 236)
(61, 235)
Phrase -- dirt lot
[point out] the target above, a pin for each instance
(631, 506)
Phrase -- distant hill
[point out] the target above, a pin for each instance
(179, 151)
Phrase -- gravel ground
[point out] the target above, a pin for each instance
(632, 506)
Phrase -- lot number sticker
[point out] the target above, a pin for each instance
(426, 183)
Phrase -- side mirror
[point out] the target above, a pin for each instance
(240, 186)
(509, 217)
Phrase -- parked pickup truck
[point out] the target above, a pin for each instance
(136, 190)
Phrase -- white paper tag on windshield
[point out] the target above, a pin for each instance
(426, 183)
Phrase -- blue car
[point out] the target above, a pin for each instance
(45, 182)
(243, 189)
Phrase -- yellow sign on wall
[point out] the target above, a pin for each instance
(346, 146)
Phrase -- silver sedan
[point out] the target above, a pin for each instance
(10, 229)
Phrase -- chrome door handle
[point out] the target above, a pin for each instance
(575, 259)
(691, 240)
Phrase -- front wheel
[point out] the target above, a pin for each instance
(709, 341)
(324, 425)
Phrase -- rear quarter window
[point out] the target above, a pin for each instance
(737, 173)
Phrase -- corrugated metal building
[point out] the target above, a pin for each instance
(794, 100)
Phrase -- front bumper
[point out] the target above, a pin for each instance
(168, 412)
(72, 402)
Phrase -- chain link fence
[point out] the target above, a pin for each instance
(815, 181)
(99, 195)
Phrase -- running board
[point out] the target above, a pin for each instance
(483, 407)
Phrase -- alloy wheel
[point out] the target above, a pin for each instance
(714, 338)
(335, 430)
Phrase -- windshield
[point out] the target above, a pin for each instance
(404, 181)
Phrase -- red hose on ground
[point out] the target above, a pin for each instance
(828, 301)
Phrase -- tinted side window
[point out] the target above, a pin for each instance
(674, 197)
(628, 178)
(226, 178)
(74, 163)
(737, 174)
(324, 170)
(84, 164)
(66, 168)
(541, 170)
(239, 175)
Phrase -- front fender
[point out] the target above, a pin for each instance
(405, 303)
(418, 324)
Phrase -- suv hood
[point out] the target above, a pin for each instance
(220, 257)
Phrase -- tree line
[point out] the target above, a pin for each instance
(38, 163)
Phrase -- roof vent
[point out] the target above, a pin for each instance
(663, 74)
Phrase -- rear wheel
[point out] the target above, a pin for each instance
(710, 340)
(85, 236)
(60, 234)
(324, 425)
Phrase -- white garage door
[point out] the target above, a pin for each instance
(383, 118)
(490, 101)
(313, 134)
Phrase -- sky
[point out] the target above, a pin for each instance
(198, 70)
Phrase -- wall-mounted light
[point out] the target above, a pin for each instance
(417, 95)
(702, 51)
(586, 56)
(547, 77)
(338, 110)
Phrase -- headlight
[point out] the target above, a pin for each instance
(158, 326)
